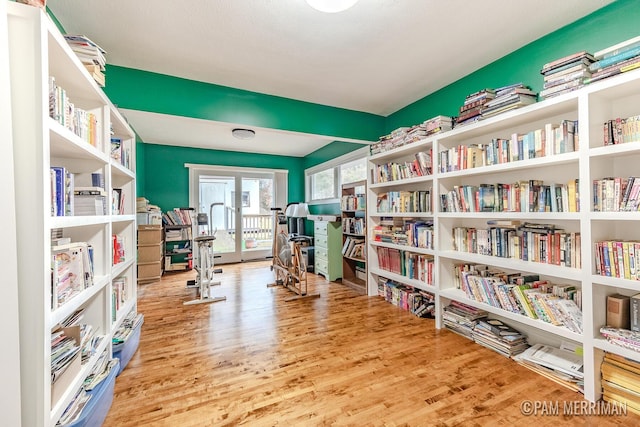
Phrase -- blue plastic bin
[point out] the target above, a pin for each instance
(125, 351)
(96, 410)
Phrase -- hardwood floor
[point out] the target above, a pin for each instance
(341, 359)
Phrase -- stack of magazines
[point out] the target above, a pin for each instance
(562, 365)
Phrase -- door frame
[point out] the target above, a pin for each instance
(280, 181)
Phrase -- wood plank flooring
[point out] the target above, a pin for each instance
(339, 360)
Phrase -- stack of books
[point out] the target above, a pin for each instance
(389, 142)
(415, 133)
(621, 381)
(615, 60)
(461, 318)
(499, 337)
(562, 365)
(90, 54)
(438, 124)
(470, 112)
(508, 98)
(566, 74)
(89, 201)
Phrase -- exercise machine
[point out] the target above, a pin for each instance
(289, 264)
(204, 264)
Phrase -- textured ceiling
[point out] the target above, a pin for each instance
(376, 57)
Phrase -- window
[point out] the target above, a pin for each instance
(323, 181)
(323, 185)
(353, 171)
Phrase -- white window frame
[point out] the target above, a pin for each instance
(335, 165)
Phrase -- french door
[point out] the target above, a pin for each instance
(236, 203)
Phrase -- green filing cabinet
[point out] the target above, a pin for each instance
(328, 249)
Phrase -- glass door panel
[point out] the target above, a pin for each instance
(238, 209)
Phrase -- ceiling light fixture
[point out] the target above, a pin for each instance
(331, 6)
(243, 133)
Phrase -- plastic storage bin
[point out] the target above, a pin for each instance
(124, 351)
(97, 408)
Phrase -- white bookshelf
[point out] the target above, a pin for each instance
(37, 51)
(10, 358)
(591, 106)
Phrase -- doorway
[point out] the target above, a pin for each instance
(237, 204)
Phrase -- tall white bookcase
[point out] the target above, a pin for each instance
(10, 359)
(591, 106)
(37, 51)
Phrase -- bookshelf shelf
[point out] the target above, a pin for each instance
(41, 61)
(403, 279)
(616, 282)
(423, 251)
(591, 107)
(513, 264)
(603, 344)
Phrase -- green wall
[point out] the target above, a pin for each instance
(166, 179)
(146, 91)
(610, 25)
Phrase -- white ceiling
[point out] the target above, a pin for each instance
(377, 57)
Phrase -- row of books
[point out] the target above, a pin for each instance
(418, 302)
(120, 152)
(615, 194)
(621, 382)
(353, 203)
(353, 225)
(536, 299)
(616, 258)
(622, 337)
(392, 171)
(119, 248)
(551, 140)
(521, 196)
(404, 202)
(541, 243)
(409, 232)
(119, 295)
(619, 130)
(408, 135)
(353, 247)
(84, 124)
(72, 271)
(405, 263)
(177, 216)
(69, 199)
